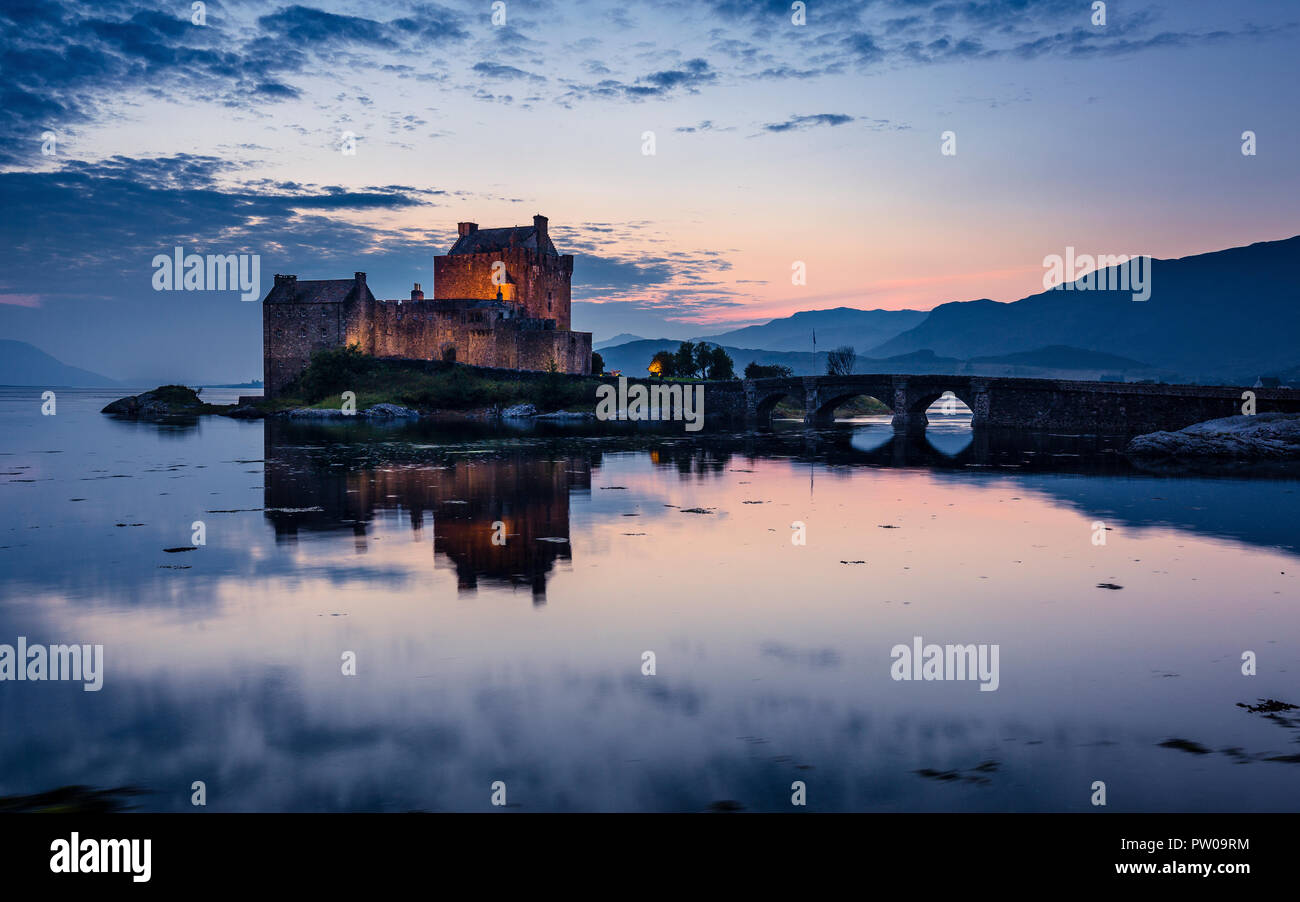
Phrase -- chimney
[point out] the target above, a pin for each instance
(360, 277)
(466, 228)
(416, 293)
(539, 223)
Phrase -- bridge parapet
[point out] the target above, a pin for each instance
(1014, 403)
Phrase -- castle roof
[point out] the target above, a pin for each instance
(291, 290)
(490, 241)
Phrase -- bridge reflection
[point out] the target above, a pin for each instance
(451, 489)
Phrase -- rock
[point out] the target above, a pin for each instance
(374, 412)
(567, 415)
(390, 412)
(1264, 436)
(247, 412)
(166, 400)
(318, 413)
(519, 411)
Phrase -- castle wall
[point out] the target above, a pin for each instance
(542, 282)
(423, 330)
(290, 334)
(571, 351)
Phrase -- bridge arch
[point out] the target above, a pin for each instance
(765, 403)
(927, 400)
(828, 401)
(920, 394)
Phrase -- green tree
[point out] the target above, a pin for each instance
(703, 357)
(597, 363)
(663, 364)
(721, 365)
(684, 361)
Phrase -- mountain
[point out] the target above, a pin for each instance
(1229, 314)
(861, 329)
(24, 364)
(1064, 357)
(621, 338)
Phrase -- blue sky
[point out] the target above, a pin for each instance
(774, 143)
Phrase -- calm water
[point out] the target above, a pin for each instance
(522, 662)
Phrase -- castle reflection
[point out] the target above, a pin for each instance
(499, 516)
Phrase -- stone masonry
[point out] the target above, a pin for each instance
(501, 299)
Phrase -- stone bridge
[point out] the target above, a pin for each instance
(1039, 404)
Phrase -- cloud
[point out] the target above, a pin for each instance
(687, 78)
(706, 125)
(62, 61)
(798, 123)
(305, 25)
(497, 70)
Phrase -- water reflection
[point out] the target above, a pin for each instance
(501, 516)
(223, 661)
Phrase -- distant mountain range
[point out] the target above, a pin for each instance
(1225, 316)
(24, 364)
(861, 329)
(1231, 314)
(1060, 362)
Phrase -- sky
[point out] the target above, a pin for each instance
(134, 128)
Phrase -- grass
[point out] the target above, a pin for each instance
(861, 406)
(185, 400)
(426, 386)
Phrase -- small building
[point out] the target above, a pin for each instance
(501, 299)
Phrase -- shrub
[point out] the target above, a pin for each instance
(333, 371)
(757, 371)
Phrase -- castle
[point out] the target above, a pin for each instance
(501, 298)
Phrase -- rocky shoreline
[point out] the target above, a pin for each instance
(180, 401)
(1262, 437)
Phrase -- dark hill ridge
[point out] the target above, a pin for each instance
(1066, 358)
(24, 364)
(861, 329)
(1061, 362)
(1230, 314)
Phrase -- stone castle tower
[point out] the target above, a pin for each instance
(535, 278)
(501, 299)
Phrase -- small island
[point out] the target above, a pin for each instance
(384, 389)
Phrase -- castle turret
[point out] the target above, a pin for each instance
(416, 293)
